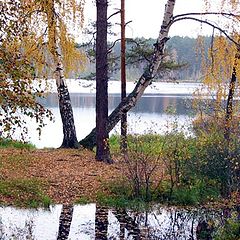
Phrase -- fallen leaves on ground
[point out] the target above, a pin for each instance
(69, 174)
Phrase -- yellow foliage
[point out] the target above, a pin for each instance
(52, 21)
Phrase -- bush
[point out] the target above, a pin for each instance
(5, 142)
(230, 230)
(185, 170)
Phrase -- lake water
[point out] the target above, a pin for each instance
(88, 222)
(150, 115)
(153, 113)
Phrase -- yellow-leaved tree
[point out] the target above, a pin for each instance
(221, 69)
(18, 93)
(51, 49)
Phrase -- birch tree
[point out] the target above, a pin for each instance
(222, 69)
(53, 50)
(53, 24)
(18, 93)
(147, 77)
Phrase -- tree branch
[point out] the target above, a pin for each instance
(226, 14)
(114, 14)
(114, 43)
(208, 23)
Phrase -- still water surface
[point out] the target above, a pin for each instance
(153, 113)
(87, 222)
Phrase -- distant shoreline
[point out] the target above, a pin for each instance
(114, 87)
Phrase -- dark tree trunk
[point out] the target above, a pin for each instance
(65, 222)
(101, 223)
(102, 151)
(145, 80)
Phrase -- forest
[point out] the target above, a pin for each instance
(125, 174)
(183, 53)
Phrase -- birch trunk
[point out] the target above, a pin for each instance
(232, 87)
(144, 81)
(66, 112)
(69, 131)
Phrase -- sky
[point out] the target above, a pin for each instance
(147, 15)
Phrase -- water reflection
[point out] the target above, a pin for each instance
(151, 103)
(95, 222)
(65, 222)
(149, 115)
(101, 223)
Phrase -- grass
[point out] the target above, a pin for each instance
(83, 200)
(196, 165)
(25, 192)
(9, 143)
(147, 143)
(121, 195)
(120, 201)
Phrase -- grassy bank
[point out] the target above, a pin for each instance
(179, 170)
(170, 169)
(32, 177)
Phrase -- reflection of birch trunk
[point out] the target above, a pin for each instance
(144, 81)
(101, 223)
(65, 222)
(69, 131)
(231, 91)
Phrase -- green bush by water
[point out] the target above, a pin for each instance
(8, 143)
(230, 230)
(199, 168)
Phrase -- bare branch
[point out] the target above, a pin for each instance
(128, 23)
(207, 23)
(114, 14)
(114, 43)
(225, 14)
(212, 57)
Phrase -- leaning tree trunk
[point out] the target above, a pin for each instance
(102, 151)
(145, 80)
(232, 87)
(69, 131)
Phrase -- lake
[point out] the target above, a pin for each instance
(90, 221)
(162, 107)
(153, 113)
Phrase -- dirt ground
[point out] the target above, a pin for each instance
(69, 174)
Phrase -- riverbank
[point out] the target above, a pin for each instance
(64, 176)
(34, 177)
(169, 169)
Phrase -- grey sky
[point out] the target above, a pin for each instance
(146, 17)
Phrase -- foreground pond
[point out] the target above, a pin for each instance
(82, 222)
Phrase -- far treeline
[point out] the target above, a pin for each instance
(183, 60)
